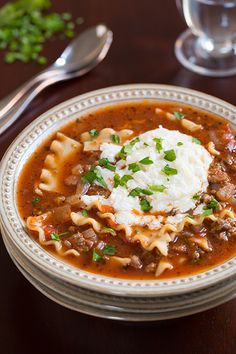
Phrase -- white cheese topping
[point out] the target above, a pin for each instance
(190, 165)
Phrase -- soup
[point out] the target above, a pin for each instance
(136, 190)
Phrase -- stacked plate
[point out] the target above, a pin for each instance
(97, 295)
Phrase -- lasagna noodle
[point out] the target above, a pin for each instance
(104, 136)
(60, 150)
(36, 224)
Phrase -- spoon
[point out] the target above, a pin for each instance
(80, 56)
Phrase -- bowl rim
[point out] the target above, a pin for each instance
(50, 121)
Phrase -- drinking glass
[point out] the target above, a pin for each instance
(208, 46)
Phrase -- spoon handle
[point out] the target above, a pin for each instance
(13, 105)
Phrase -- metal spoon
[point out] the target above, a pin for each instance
(79, 57)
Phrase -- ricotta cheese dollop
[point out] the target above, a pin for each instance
(165, 169)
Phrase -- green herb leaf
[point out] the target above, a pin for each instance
(116, 180)
(189, 216)
(169, 171)
(94, 175)
(56, 237)
(127, 149)
(104, 162)
(196, 141)
(169, 155)
(145, 144)
(115, 138)
(93, 132)
(109, 250)
(125, 179)
(180, 143)
(84, 212)
(146, 161)
(134, 141)
(134, 167)
(96, 257)
(109, 230)
(157, 188)
(145, 205)
(138, 191)
(158, 142)
(179, 115)
(36, 201)
(211, 205)
(207, 212)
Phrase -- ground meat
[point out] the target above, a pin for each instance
(61, 214)
(226, 192)
(135, 262)
(81, 241)
(226, 226)
(151, 267)
(99, 191)
(216, 174)
(180, 248)
(78, 170)
(71, 180)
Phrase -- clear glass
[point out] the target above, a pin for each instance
(208, 47)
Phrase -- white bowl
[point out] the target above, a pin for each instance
(48, 272)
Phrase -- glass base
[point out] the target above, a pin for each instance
(190, 55)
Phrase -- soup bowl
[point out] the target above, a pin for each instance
(95, 294)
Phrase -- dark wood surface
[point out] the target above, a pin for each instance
(142, 52)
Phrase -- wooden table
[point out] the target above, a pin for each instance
(142, 52)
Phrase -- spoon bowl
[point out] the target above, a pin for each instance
(78, 56)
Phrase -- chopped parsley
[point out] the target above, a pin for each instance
(94, 175)
(36, 201)
(196, 197)
(146, 161)
(134, 167)
(211, 205)
(106, 163)
(179, 115)
(109, 230)
(145, 144)
(109, 250)
(137, 191)
(116, 180)
(169, 171)
(180, 143)
(84, 213)
(56, 237)
(207, 212)
(127, 149)
(145, 205)
(189, 216)
(196, 141)
(96, 257)
(115, 138)
(158, 142)
(169, 155)
(121, 181)
(134, 141)
(157, 188)
(93, 132)
(124, 179)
